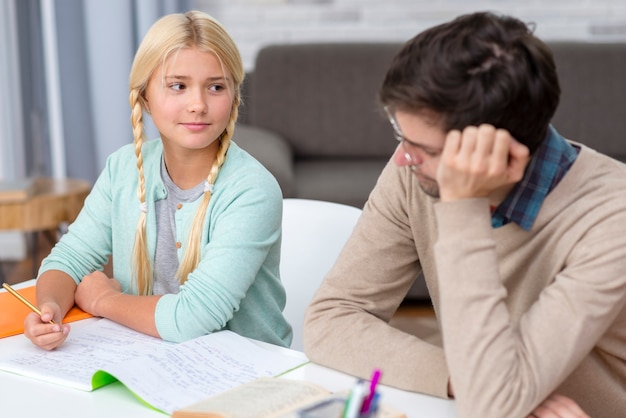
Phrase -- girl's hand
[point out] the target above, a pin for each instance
(95, 288)
(558, 406)
(480, 162)
(43, 334)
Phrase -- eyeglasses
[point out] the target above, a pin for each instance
(411, 149)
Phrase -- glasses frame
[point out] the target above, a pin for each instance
(409, 147)
(397, 134)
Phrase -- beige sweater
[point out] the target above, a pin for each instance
(522, 313)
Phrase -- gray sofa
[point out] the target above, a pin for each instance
(323, 136)
(310, 114)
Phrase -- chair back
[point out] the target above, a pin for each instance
(314, 232)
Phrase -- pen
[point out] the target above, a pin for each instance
(355, 400)
(24, 300)
(374, 404)
(368, 401)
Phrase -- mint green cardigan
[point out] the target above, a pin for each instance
(236, 286)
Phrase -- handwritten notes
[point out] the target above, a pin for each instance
(165, 375)
(86, 351)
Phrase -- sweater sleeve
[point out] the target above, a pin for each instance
(86, 246)
(501, 367)
(347, 323)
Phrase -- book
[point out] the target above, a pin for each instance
(13, 312)
(164, 375)
(18, 190)
(275, 398)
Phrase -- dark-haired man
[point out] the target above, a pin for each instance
(520, 233)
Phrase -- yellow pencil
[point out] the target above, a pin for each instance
(24, 300)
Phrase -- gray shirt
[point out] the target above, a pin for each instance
(166, 260)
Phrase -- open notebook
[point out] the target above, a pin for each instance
(164, 375)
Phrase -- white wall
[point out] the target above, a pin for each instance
(12, 163)
(255, 23)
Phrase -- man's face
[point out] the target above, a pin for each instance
(420, 148)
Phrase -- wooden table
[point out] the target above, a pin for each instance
(51, 204)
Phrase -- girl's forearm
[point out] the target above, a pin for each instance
(57, 287)
(136, 312)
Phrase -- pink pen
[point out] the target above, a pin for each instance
(368, 400)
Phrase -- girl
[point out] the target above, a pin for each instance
(192, 221)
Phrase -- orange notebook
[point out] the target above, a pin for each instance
(13, 312)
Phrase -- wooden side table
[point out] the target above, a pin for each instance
(51, 204)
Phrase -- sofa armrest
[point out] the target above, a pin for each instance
(272, 151)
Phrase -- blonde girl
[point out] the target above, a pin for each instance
(192, 221)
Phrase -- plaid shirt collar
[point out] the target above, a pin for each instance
(546, 168)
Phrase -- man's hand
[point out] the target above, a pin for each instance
(480, 162)
(93, 289)
(555, 406)
(558, 406)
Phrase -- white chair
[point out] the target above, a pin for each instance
(314, 232)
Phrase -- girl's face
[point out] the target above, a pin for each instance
(190, 99)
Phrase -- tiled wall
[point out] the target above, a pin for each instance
(255, 23)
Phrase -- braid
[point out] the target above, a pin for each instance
(194, 247)
(142, 267)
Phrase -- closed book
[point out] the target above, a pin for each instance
(276, 398)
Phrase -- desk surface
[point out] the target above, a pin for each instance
(25, 397)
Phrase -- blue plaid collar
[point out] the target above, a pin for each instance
(546, 168)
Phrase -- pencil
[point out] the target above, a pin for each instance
(24, 300)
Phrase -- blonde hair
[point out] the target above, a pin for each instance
(168, 35)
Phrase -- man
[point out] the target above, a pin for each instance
(521, 236)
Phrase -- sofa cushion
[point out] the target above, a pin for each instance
(322, 98)
(272, 151)
(343, 181)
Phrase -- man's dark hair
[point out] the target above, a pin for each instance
(477, 68)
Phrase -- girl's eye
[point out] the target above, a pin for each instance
(216, 87)
(177, 86)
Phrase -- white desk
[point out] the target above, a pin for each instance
(26, 397)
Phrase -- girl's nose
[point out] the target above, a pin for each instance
(197, 103)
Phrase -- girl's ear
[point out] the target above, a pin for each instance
(146, 105)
